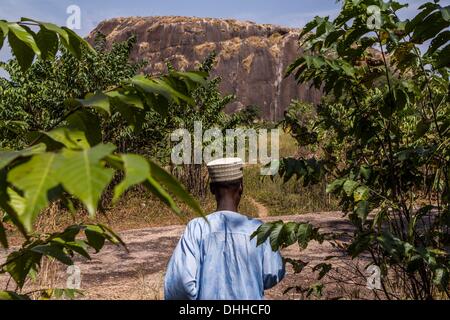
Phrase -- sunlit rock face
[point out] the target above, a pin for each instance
(251, 60)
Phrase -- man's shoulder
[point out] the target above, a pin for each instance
(220, 219)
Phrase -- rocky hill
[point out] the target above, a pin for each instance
(251, 57)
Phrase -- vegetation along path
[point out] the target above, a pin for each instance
(115, 273)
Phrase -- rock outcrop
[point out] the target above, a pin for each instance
(251, 60)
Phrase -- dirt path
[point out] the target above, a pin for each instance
(138, 274)
(260, 208)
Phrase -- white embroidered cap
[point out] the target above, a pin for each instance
(225, 169)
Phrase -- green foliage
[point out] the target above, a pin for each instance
(34, 100)
(386, 115)
(70, 158)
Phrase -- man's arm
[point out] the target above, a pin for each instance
(181, 276)
(273, 266)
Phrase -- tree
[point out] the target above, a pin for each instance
(34, 99)
(387, 113)
(72, 160)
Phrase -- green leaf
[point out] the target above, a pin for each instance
(3, 238)
(88, 123)
(74, 43)
(81, 132)
(21, 51)
(7, 204)
(4, 28)
(77, 246)
(24, 35)
(11, 295)
(137, 170)
(2, 38)
(443, 58)
(20, 263)
(360, 243)
(297, 265)
(441, 39)
(128, 99)
(349, 186)
(445, 11)
(153, 186)
(263, 232)
(47, 41)
(95, 237)
(6, 157)
(53, 251)
(99, 101)
(429, 27)
(362, 210)
(309, 26)
(36, 178)
(84, 176)
(422, 128)
(112, 236)
(50, 27)
(194, 76)
(174, 186)
(361, 193)
(323, 268)
(304, 232)
(159, 87)
(335, 185)
(276, 236)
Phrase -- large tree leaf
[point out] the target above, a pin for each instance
(88, 123)
(36, 178)
(7, 205)
(24, 35)
(128, 99)
(157, 86)
(82, 174)
(81, 132)
(137, 170)
(6, 156)
(99, 101)
(47, 41)
(154, 187)
(174, 186)
(54, 251)
(276, 236)
(20, 263)
(263, 232)
(50, 27)
(23, 53)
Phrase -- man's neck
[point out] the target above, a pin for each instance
(227, 206)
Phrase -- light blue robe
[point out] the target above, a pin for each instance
(219, 261)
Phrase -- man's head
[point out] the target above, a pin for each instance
(227, 190)
(226, 181)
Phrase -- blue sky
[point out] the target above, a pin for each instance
(292, 13)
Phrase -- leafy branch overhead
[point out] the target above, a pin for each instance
(73, 160)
